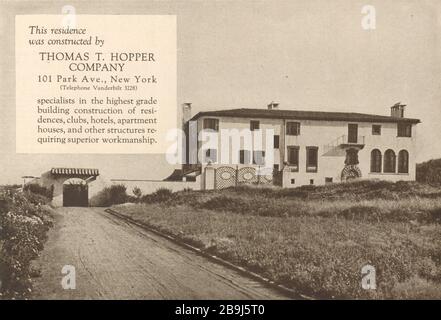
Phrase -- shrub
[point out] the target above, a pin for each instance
(429, 172)
(40, 190)
(23, 230)
(159, 196)
(114, 194)
(137, 193)
(37, 199)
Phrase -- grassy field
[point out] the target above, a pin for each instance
(314, 239)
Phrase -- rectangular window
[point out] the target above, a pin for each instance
(293, 181)
(404, 130)
(259, 158)
(276, 141)
(328, 180)
(293, 157)
(212, 124)
(376, 129)
(254, 125)
(311, 159)
(293, 128)
(311, 181)
(244, 157)
(211, 155)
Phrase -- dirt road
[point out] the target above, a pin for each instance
(117, 260)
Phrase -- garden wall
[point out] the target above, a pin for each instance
(150, 186)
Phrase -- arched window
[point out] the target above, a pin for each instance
(389, 161)
(376, 160)
(403, 161)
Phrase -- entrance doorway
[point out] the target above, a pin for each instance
(350, 172)
(352, 133)
(75, 193)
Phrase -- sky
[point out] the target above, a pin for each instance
(303, 54)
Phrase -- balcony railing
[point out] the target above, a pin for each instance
(346, 141)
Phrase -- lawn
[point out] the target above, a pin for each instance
(314, 239)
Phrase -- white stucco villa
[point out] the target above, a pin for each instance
(309, 147)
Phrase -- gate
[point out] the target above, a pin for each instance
(75, 195)
(226, 177)
(247, 175)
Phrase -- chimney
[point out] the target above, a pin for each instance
(186, 112)
(397, 110)
(273, 106)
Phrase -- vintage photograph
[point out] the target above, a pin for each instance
(220, 150)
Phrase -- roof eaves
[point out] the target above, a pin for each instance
(336, 116)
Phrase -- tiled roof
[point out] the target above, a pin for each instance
(302, 115)
(75, 171)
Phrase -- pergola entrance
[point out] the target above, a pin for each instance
(72, 183)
